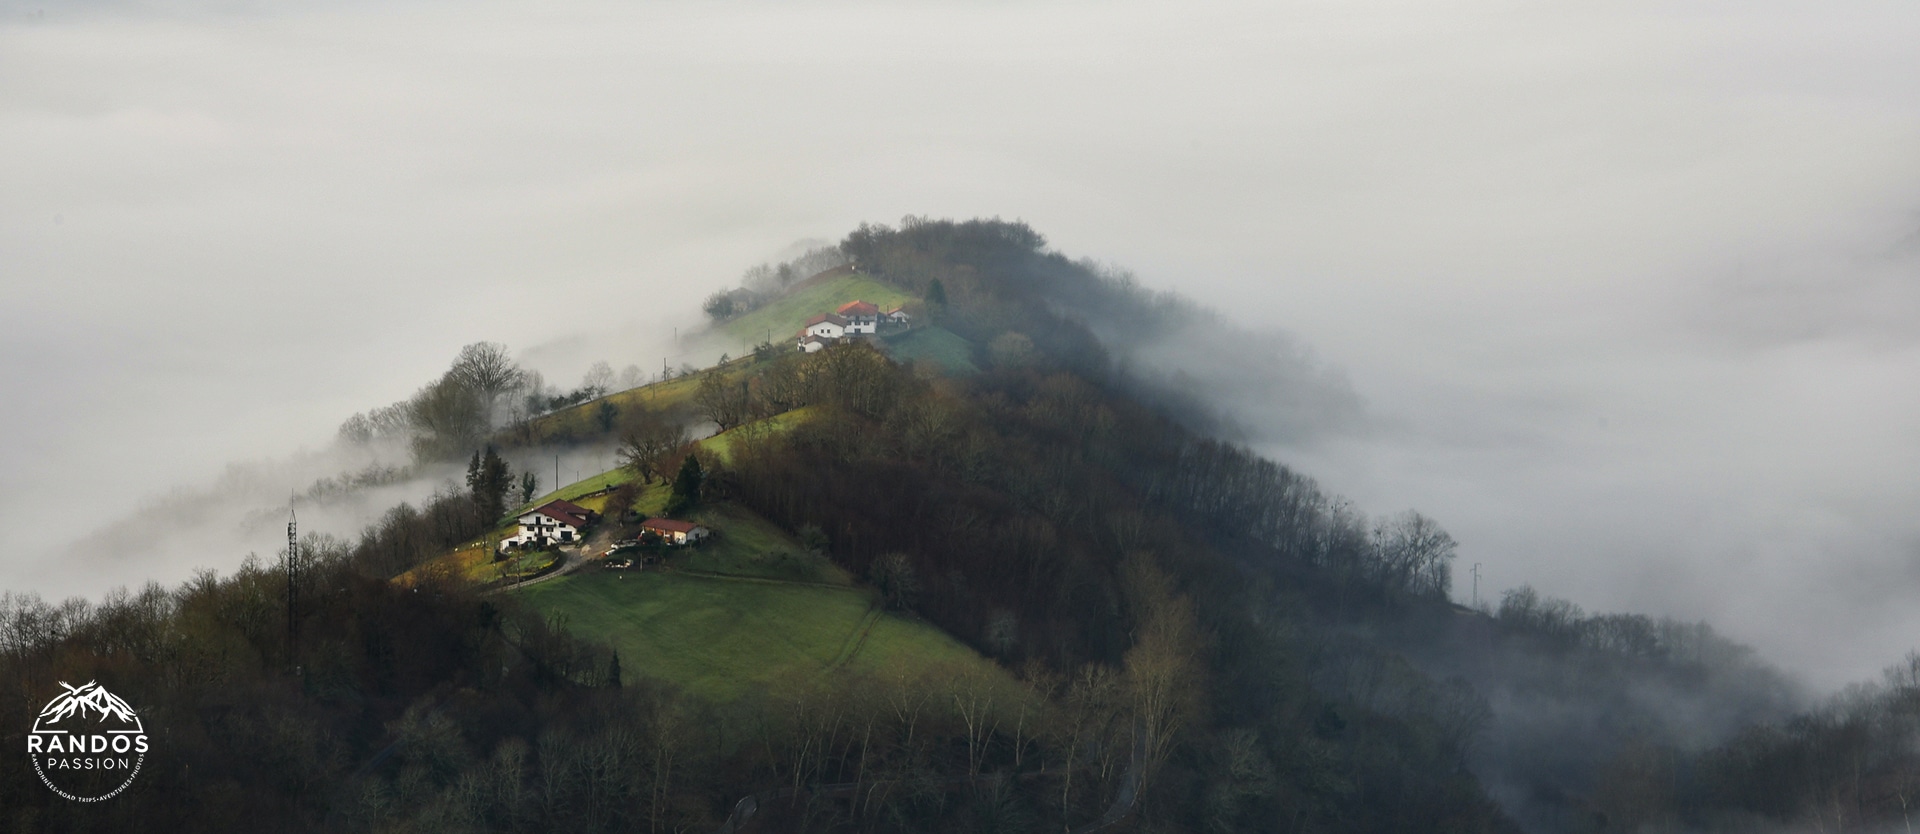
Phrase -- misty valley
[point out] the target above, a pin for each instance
(920, 536)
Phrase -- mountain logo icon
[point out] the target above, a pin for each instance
(87, 743)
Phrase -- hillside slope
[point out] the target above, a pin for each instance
(780, 318)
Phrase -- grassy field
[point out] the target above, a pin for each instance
(744, 544)
(578, 421)
(784, 316)
(576, 491)
(721, 638)
(934, 345)
(475, 564)
(721, 445)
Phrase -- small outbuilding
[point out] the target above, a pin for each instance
(675, 532)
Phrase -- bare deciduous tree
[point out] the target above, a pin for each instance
(487, 368)
(599, 378)
(723, 400)
(647, 443)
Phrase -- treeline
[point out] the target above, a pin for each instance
(764, 282)
(425, 707)
(484, 395)
(256, 726)
(1560, 622)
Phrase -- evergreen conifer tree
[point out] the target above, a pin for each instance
(686, 486)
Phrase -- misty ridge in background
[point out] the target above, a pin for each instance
(1225, 379)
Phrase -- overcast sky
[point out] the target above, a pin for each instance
(1630, 291)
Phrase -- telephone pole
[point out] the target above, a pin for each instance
(1476, 585)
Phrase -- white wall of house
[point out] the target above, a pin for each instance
(536, 526)
(862, 324)
(827, 330)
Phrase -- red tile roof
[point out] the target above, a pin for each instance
(668, 525)
(566, 511)
(858, 308)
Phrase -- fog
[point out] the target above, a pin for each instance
(1627, 295)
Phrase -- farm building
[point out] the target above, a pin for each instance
(860, 316)
(674, 532)
(826, 326)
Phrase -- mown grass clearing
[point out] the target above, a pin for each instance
(722, 638)
(781, 318)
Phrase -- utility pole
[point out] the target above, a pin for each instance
(1476, 585)
(556, 473)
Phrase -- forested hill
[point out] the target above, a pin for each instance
(1180, 635)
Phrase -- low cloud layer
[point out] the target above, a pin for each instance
(1625, 294)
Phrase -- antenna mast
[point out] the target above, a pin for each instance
(293, 584)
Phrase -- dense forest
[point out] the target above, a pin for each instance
(1194, 638)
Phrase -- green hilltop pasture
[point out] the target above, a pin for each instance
(782, 317)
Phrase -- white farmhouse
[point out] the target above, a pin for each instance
(827, 326)
(860, 316)
(553, 522)
(897, 315)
